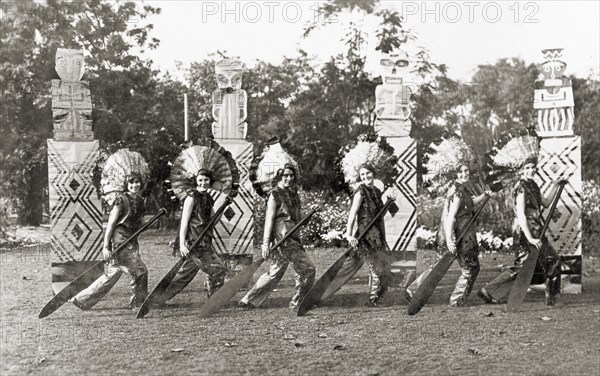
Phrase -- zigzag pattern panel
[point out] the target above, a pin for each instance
(234, 233)
(401, 226)
(560, 158)
(75, 210)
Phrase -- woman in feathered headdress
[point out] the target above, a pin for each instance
(123, 178)
(448, 163)
(363, 160)
(196, 170)
(515, 155)
(276, 176)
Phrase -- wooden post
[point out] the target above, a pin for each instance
(185, 117)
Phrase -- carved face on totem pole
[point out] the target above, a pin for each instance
(392, 98)
(229, 101)
(393, 67)
(553, 96)
(553, 67)
(69, 64)
(229, 74)
(71, 100)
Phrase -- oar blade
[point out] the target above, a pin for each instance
(77, 285)
(432, 280)
(522, 282)
(313, 297)
(223, 295)
(159, 290)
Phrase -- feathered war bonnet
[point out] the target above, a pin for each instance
(373, 152)
(264, 170)
(442, 161)
(209, 159)
(512, 150)
(118, 169)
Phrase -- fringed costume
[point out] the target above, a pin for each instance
(373, 153)
(511, 153)
(443, 161)
(287, 214)
(214, 162)
(118, 169)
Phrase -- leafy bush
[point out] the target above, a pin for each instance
(324, 228)
(590, 217)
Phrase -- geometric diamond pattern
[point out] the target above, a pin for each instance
(401, 222)
(75, 210)
(560, 158)
(234, 234)
(229, 213)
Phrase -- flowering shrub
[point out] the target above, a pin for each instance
(326, 226)
(487, 241)
(590, 217)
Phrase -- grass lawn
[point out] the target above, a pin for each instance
(342, 337)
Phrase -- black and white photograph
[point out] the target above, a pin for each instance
(308, 187)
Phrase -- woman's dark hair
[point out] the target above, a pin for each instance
(367, 167)
(204, 172)
(279, 174)
(135, 176)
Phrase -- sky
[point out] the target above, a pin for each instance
(460, 34)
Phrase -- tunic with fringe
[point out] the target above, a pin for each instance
(371, 205)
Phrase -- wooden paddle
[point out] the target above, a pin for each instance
(523, 280)
(86, 278)
(223, 295)
(313, 297)
(440, 269)
(156, 294)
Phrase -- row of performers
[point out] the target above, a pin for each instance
(449, 164)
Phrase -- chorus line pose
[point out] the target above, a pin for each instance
(283, 211)
(195, 215)
(366, 203)
(123, 179)
(365, 160)
(521, 154)
(198, 173)
(453, 160)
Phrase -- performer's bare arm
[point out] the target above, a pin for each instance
(452, 210)
(186, 215)
(522, 221)
(110, 229)
(478, 199)
(269, 219)
(356, 202)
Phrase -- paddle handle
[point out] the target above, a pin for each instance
(292, 230)
(150, 222)
(552, 208)
(379, 214)
(473, 218)
(212, 222)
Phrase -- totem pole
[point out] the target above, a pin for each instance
(235, 232)
(75, 209)
(560, 158)
(392, 111)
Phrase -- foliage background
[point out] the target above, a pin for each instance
(136, 107)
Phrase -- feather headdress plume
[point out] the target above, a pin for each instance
(372, 150)
(264, 169)
(443, 159)
(511, 151)
(118, 168)
(214, 160)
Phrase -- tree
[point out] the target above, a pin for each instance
(30, 33)
(586, 93)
